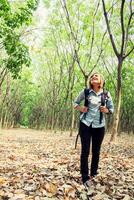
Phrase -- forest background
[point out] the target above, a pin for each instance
(47, 51)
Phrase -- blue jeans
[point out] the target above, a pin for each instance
(88, 134)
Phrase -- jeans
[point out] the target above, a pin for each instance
(87, 134)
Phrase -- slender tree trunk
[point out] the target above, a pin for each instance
(52, 119)
(86, 78)
(118, 102)
(6, 121)
(72, 122)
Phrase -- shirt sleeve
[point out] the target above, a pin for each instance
(110, 104)
(79, 98)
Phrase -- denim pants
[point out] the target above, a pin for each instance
(88, 134)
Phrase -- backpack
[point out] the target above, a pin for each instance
(104, 97)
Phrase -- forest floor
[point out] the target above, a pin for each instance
(37, 165)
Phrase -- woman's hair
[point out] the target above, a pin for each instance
(102, 81)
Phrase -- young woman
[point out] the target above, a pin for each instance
(91, 126)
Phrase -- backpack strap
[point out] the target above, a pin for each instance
(86, 92)
(104, 98)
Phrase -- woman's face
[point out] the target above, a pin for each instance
(95, 79)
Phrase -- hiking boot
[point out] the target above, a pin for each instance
(87, 184)
(92, 177)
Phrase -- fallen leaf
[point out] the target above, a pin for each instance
(51, 188)
(127, 197)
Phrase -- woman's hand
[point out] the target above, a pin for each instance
(104, 109)
(82, 109)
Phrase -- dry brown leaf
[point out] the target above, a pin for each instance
(99, 196)
(2, 180)
(1, 193)
(51, 188)
(127, 197)
(12, 157)
(41, 158)
(66, 198)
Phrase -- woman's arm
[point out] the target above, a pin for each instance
(77, 102)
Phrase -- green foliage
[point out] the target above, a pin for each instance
(11, 22)
(44, 96)
(47, 3)
(127, 111)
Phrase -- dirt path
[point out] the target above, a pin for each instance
(40, 166)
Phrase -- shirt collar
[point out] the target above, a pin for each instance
(98, 93)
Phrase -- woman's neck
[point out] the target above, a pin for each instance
(96, 88)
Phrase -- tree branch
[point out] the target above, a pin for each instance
(122, 27)
(109, 30)
(110, 74)
(96, 63)
(5, 72)
(130, 6)
(92, 40)
(128, 25)
(74, 38)
(68, 19)
(129, 53)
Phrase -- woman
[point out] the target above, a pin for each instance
(91, 126)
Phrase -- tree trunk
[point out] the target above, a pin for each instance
(86, 83)
(72, 122)
(118, 103)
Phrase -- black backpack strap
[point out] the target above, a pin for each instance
(104, 98)
(86, 92)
